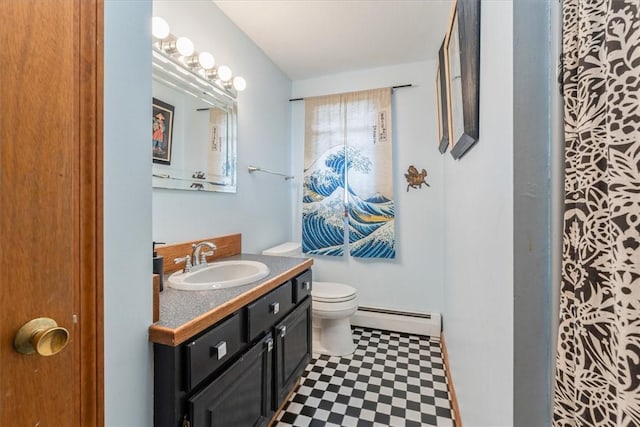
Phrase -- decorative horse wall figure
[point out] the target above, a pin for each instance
(415, 178)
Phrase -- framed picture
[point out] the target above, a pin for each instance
(441, 102)
(462, 64)
(162, 131)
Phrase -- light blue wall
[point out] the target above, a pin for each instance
(260, 210)
(413, 281)
(537, 208)
(128, 373)
(478, 250)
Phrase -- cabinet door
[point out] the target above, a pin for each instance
(293, 350)
(241, 396)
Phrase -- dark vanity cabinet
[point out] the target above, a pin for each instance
(239, 371)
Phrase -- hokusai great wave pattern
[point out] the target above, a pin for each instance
(370, 220)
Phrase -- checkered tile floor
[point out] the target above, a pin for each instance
(392, 379)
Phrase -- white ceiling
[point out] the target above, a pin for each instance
(311, 38)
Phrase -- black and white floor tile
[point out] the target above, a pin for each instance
(392, 379)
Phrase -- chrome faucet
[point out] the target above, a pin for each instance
(199, 258)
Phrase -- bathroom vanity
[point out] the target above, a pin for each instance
(230, 357)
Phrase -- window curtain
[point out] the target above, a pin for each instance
(348, 177)
(598, 353)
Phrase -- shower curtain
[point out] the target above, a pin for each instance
(598, 353)
(348, 176)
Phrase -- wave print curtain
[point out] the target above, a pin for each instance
(598, 354)
(348, 178)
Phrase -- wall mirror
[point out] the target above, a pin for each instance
(194, 130)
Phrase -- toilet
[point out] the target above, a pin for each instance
(332, 306)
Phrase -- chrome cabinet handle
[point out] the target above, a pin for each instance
(306, 285)
(275, 307)
(220, 349)
(283, 331)
(269, 344)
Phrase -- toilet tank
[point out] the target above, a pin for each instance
(285, 249)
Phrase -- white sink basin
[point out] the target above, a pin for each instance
(219, 275)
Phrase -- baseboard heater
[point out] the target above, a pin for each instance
(428, 324)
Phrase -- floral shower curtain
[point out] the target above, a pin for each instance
(348, 178)
(598, 354)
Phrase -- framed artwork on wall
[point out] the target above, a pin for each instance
(462, 65)
(441, 102)
(162, 131)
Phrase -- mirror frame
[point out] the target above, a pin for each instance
(441, 102)
(467, 15)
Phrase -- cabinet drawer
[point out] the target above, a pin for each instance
(208, 352)
(302, 286)
(266, 311)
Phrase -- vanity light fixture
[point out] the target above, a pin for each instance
(206, 60)
(169, 45)
(181, 50)
(211, 74)
(184, 46)
(224, 73)
(239, 83)
(192, 61)
(159, 28)
(203, 60)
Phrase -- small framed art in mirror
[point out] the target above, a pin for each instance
(162, 131)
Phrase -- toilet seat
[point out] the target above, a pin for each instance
(331, 292)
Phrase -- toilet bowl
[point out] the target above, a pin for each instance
(331, 311)
(332, 306)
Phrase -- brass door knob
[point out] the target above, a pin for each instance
(42, 336)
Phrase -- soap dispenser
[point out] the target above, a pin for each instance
(158, 264)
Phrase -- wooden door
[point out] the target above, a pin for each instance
(50, 208)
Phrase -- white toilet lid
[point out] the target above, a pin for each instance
(332, 292)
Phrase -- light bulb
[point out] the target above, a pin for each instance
(207, 61)
(184, 46)
(239, 83)
(159, 28)
(224, 73)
